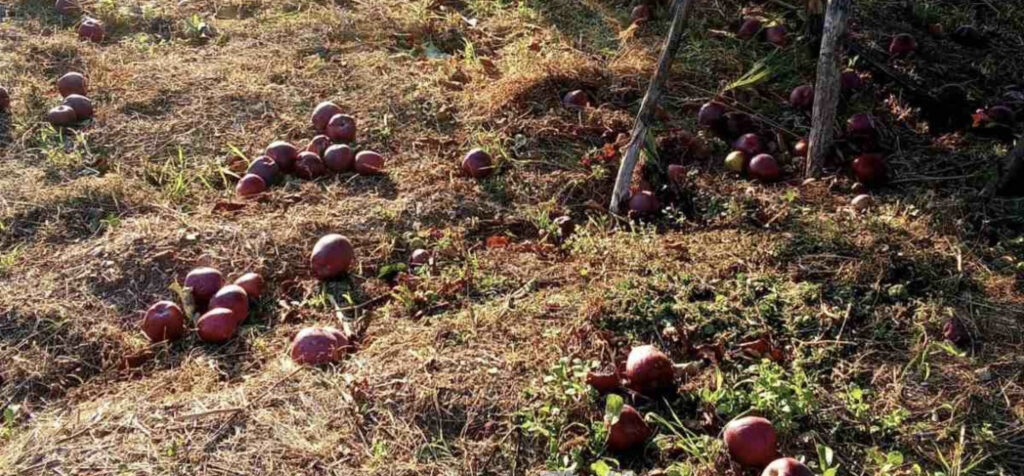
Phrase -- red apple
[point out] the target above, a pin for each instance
(252, 283)
(955, 332)
(164, 321)
(92, 30)
(340, 158)
(217, 325)
(419, 258)
(318, 346)
(777, 35)
(61, 116)
(341, 128)
(369, 162)
(802, 97)
(649, 371)
(81, 104)
(851, 81)
(232, 297)
(677, 173)
(308, 166)
(322, 114)
(72, 83)
(629, 432)
(318, 145)
(640, 14)
(576, 100)
(643, 203)
(266, 169)
(205, 282)
(477, 164)
(749, 28)
(786, 467)
(749, 144)
(333, 256)
(763, 167)
(902, 45)
(284, 154)
(68, 7)
(249, 185)
(751, 441)
(869, 169)
(711, 115)
(861, 126)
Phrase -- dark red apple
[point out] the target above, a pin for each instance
(419, 258)
(369, 162)
(266, 169)
(786, 467)
(851, 81)
(763, 167)
(902, 45)
(340, 158)
(711, 115)
(205, 282)
(232, 297)
(318, 346)
(643, 203)
(576, 100)
(640, 14)
(777, 35)
(802, 97)
(72, 83)
(92, 30)
(749, 28)
(649, 371)
(249, 185)
(217, 325)
(1000, 115)
(81, 104)
(61, 116)
(801, 147)
(318, 145)
(604, 382)
(284, 154)
(869, 169)
(751, 441)
(164, 321)
(252, 283)
(341, 128)
(676, 173)
(68, 7)
(333, 256)
(322, 114)
(749, 144)
(477, 164)
(861, 126)
(5, 99)
(308, 166)
(955, 332)
(629, 432)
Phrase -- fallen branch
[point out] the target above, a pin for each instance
(826, 91)
(620, 193)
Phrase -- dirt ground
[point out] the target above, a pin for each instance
(781, 299)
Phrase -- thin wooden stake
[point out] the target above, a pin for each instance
(621, 191)
(827, 89)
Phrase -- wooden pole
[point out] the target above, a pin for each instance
(620, 193)
(827, 89)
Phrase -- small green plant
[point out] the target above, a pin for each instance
(560, 394)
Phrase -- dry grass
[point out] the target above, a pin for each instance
(455, 364)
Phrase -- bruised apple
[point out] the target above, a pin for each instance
(308, 166)
(341, 128)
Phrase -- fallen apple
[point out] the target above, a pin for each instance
(629, 432)
(369, 162)
(164, 321)
(333, 256)
(72, 83)
(81, 104)
(751, 441)
(250, 185)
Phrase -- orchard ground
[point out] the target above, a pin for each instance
(476, 365)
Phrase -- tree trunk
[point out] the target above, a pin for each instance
(827, 89)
